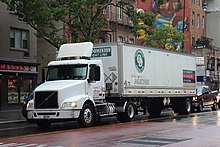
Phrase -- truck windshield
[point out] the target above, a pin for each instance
(67, 72)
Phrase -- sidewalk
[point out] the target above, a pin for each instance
(10, 116)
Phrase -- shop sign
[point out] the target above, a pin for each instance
(101, 52)
(15, 67)
(200, 60)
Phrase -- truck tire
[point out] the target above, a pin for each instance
(87, 116)
(129, 113)
(186, 106)
(182, 106)
(43, 124)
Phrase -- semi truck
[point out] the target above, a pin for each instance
(88, 82)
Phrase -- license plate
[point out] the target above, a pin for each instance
(46, 117)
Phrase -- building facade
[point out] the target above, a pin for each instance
(118, 30)
(119, 25)
(207, 44)
(18, 60)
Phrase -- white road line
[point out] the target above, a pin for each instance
(41, 145)
(8, 145)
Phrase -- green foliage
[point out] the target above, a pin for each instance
(40, 15)
(165, 37)
(84, 17)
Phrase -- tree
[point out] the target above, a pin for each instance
(83, 17)
(40, 15)
(165, 37)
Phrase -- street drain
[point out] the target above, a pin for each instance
(153, 141)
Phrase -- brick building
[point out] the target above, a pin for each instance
(18, 60)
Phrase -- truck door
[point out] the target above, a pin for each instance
(95, 84)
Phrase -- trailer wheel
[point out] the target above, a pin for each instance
(87, 116)
(188, 106)
(43, 124)
(129, 113)
(183, 106)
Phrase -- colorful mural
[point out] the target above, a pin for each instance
(168, 13)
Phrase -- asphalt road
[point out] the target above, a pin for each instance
(196, 129)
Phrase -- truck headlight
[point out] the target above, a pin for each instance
(69, 105)
(30, 105)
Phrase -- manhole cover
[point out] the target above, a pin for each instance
(153, 141)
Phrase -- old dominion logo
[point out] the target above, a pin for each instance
(139, 60)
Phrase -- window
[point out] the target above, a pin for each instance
(67, 72)
(131, 40)
(19, 38)
(110, 37)
(193, 41)
(198, 2)
(203, 22)
(198, 21)
(193, 19)
(120, 39)
(120, 12)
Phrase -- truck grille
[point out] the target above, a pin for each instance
(45, 100)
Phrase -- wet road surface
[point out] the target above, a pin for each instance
(196, 129)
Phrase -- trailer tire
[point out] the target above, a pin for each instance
(185, 106)
(87, 116)
(43, 124)
(129, 113)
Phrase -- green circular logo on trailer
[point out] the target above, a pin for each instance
(139, 60)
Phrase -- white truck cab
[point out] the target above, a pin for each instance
(72, 85)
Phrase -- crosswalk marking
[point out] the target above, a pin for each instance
(25, 145)
(153, 141)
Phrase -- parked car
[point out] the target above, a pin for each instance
(205, 98)
(218, 99)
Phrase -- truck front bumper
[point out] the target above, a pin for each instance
(52, 114)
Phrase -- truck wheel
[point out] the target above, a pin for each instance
(129, 113)
(182, 106)
(200, 107)
(87, 116)
(186, 106)
(43, 124)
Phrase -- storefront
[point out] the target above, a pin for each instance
(16, 81)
